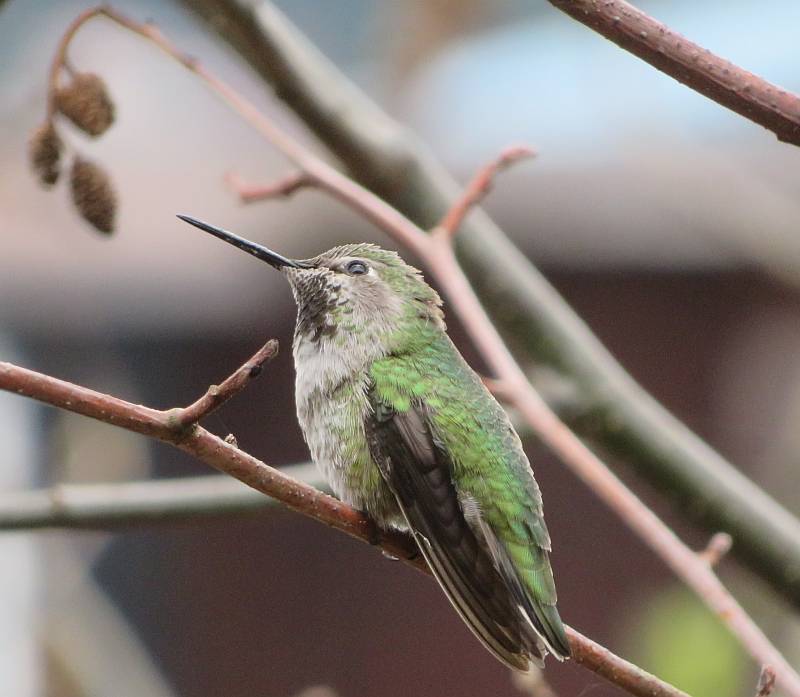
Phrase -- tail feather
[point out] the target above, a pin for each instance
(546, 630)
(490, 617)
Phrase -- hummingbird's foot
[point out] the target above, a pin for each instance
(413, 556)
(374, 536)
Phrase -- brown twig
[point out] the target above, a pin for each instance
(318, 172)
(727, 84)
(436, 251)
(297, 495)
(61, 60)
(250, 193)
(217, 395)
(718, 546)
(480, 186)
(617, 670)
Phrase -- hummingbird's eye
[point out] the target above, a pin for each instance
(357, 267)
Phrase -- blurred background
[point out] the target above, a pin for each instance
(670, 225)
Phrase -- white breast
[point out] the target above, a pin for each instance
(332, 404)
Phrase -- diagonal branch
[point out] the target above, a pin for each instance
(727, 84)
(295, 494)
(616, 412)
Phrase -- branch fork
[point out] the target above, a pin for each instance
(280, 188)
(479, 188)
(217, 395)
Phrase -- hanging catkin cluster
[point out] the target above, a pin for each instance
(85, 101)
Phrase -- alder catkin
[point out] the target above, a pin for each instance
(44, 151)
(85, 101)
(93, 195)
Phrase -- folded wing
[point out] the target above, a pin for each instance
(465, 556)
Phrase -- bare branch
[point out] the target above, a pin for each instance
(284, 187)
(392, 162)
(217, 395)
(480, 186)
(696, 67)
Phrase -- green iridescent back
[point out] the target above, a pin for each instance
(489, 463)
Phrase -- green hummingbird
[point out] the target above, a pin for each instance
(405, 431)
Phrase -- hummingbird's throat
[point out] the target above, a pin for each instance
(318, 298)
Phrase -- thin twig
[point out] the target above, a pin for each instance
(718, 546)
(727, 84)
(217, 395)
(318, 172)
(480, 186)
(250, 193)
(297, 495)
(383, 155)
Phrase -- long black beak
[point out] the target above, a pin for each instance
(272, 258)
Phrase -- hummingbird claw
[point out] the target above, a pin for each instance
(373, 532)
(414, 555)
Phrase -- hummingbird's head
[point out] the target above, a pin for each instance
(352, 289)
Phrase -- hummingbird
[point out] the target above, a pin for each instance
(406, 432)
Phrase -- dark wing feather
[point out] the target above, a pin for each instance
(417, 470)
